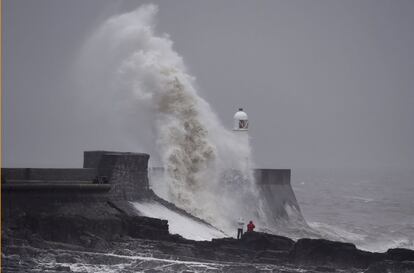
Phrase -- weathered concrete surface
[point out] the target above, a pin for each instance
(127, 173)
(56, 174)
(70, 196)
(277, 193)
(274, 187)
(55, 187)
(280, 204)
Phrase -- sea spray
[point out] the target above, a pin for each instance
(137, 76)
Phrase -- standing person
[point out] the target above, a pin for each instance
(250, 226)
(240, 224)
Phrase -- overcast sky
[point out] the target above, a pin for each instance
(325, 83)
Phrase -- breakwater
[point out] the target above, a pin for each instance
(89, 219)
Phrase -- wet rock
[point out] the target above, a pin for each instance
(241, 269)
(399, 254)
(62, 268)
(271, 256)
(324, 269)
(265, 241)
(65, 258)
(85, 240)
(391, 267)
(87, 233)
(323, 252)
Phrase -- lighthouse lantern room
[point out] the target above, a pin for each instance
(241, 121)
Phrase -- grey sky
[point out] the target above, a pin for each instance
(325, 83)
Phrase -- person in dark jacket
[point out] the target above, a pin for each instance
(250, 226)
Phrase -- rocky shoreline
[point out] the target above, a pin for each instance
(117, 240)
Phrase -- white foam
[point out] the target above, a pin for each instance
(132, 69)
(383, 244)
(179, 224)
(336, 233)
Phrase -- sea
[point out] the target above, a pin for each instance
(374, 209)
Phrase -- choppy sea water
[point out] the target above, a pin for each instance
(374, 209)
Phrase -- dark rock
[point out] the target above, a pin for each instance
(183, 250)
(225, 242)
(146, 227)
(324, 252)
(399, 254)
(87, 224)
(100, 244)
(391, 267)
(264, 241)
(325, 269)
(272, 256)
(65, 258)
(85, 240)
(253, 246)
(240, 269)
(62, 268)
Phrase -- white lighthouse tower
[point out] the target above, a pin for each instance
(240, 129)
(241, 121)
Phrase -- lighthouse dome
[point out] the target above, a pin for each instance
(241, 120)
(240, 115)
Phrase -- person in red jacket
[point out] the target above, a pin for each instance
(250, 226)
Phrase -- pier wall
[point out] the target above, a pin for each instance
(274, 187)
(125, 179)
(276, 191)
(107, 176)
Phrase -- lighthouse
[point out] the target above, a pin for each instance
(241, 121)
(240, 129)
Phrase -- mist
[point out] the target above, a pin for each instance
(326, 85)
(127, 67)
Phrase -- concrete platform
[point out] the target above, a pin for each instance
(29, 186)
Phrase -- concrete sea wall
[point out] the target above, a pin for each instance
(274, 186)
(276, 191)
(117, 176)
(107, 175)
(84, 206)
